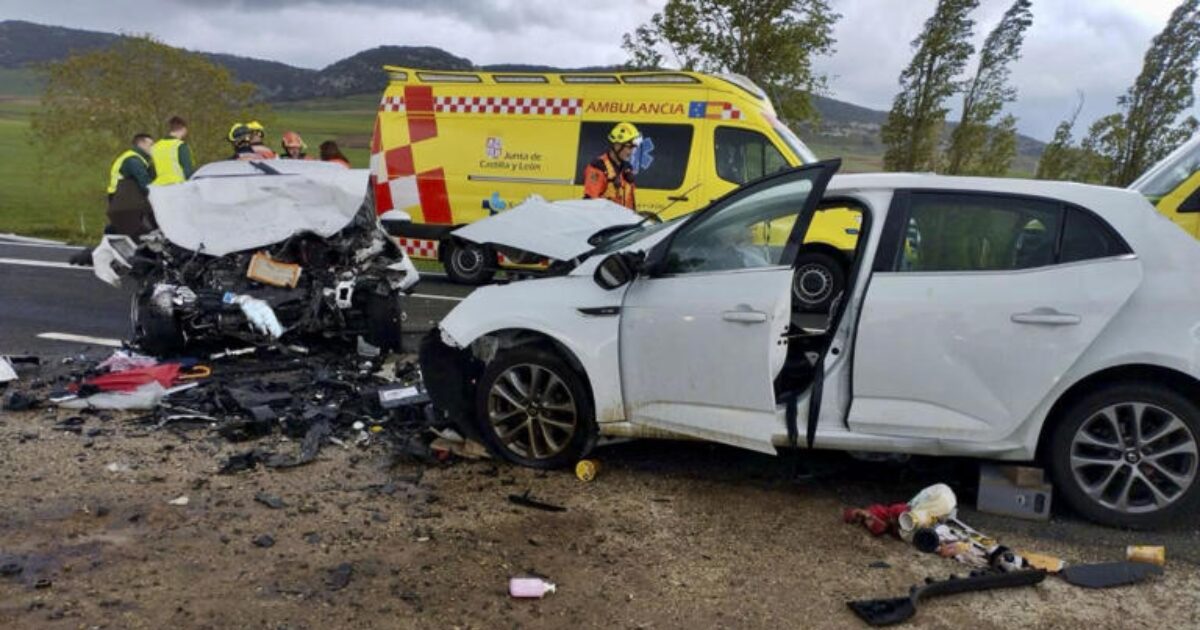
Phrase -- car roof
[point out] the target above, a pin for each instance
(1113, 204)
(234, 168)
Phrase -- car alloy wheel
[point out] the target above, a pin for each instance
(1134, 457)
(532, 411)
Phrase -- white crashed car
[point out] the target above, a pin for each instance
(258, 251)
(992, 318)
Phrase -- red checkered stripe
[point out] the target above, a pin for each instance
(392, 104)
(419, 247)
(730, 112)
(492, 105)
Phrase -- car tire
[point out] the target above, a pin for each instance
(1127, 455)
(384, 316)
(152, 332)
(468, 263)
(819, 278)
(549, 425)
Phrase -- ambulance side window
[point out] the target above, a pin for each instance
(660, 163)
(742, 155)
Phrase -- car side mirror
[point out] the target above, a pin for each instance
(618, 269)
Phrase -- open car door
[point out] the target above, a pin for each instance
(703, 329)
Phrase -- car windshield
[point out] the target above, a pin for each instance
(620, 240)
(1168, 174)
(798, 147)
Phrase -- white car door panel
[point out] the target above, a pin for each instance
(700, 353)
(969, 355)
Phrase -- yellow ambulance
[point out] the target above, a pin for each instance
(450, 148)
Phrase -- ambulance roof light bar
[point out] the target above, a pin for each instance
(659, 78)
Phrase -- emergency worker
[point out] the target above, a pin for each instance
(293, 147)
(258, 136)
(129, 181)
(239, 137)
(610, 175)
(172, 156)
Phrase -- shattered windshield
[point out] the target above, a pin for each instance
(1172, 171)
(624, 239)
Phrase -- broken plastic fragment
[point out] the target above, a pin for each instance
(262, 319)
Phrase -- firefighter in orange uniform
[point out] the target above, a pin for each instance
(610, 175)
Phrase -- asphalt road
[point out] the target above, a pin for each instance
(42, 297)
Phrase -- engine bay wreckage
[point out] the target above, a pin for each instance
(258, 252)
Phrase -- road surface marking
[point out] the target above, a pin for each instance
(42, 263)
(94, 341)
(62, 265)
(17, 238)
(42, 245)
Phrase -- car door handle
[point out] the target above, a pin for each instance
(1046, 317)
(745, 317)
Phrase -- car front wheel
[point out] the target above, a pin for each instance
(818, 279)
(533, 409)
(1127, 455)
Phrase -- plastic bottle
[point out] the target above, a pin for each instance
(529, 587)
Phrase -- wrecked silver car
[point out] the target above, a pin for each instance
(258, 251)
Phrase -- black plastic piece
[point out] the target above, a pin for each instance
(1108, 574)
(886, 612)
(525, 500)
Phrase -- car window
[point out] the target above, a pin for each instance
(742, 155)
(956, 232)
(749, 232)
(1086, 237)
(659, 163)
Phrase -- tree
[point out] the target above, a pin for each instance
(1125, 144)
(914, 124)
(977, 145)
(773, 42)
(1060, 156)
(93, 104)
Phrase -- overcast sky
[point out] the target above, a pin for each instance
(1091, 45)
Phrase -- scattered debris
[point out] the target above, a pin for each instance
(586, 469)
(7, 372)
(270, 500)
(263, 540)
(1109, 574)
(525, 500)
(181, 501)
(1017, 491)
(530, 587)
(339, 576)
(879, 564)
(1046, 563)
(879, 519)
(10, 569)
(886, 612)
(1152, 554)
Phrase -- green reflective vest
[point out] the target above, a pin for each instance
(114, 174)
(167, 169)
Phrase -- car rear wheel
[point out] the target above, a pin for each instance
(468, 263)
(818, 279)
(1128, 455)
(533, 409)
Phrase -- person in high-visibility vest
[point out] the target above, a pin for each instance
(129, 181)
(172, 156)
(610, 175)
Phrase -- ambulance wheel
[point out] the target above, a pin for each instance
(468, 263)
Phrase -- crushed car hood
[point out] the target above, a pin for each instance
(555, 229)
(232, 209)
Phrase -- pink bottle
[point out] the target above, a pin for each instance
(533, 587)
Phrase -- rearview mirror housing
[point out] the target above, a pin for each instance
(618, 269)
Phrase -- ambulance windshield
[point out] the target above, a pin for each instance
(1167, 175)
(799, 148)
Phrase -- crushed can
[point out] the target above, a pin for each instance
(586, 469)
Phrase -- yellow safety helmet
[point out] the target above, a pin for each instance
(625, 133)
(237, 132)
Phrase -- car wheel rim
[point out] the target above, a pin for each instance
(467, 260)
(532, 411)
(1134, 457)
(813, 284)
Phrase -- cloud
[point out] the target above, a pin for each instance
(1094, 46)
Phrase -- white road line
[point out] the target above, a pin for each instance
(17, 238)
(94, 341)
(63, 265)
(53, 264)
(42, 245)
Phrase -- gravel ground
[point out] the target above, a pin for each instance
(670, 535)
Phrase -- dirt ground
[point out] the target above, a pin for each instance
(670, 535)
